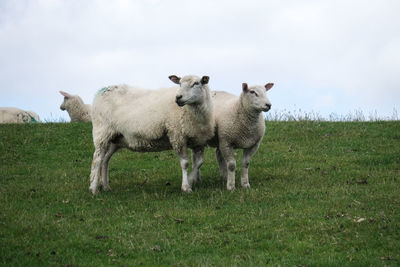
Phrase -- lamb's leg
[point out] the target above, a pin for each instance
(247, 154)
(184, 161)
(221, 164)
(98, 157)
(197, 161)
(104, 167)
(229, 156)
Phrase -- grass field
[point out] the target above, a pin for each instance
(322, 194)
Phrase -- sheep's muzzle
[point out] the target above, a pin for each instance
(267, 107)
(179, 101)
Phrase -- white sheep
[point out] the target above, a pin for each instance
(16, 115)
(152, 120)
(240, 125)
(77, 110)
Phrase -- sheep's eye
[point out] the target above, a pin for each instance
(196, 83)
(252, 92)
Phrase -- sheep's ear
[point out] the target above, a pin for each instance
(65, 94)
(205, 79)
(245, 87)
(268, 86)
(175, 79)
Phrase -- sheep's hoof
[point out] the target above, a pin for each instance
(106, 188)
(246, 185)
(93, 190)
(186, 189)
(230, 187)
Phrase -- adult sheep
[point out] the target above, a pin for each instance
(77, 110)
(16, 115)
(152, 120)
(240, 125)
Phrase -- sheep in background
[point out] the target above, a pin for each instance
(77, 110)
(16, 115)
(147, 120)
(240, 124)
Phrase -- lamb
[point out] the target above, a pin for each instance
(147, 120)
(77, 110)
(240, 125)
(16, 115)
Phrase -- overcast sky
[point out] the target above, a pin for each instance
(331, 56)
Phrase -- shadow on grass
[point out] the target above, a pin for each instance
(149, 186)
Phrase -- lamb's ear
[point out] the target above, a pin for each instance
(205, 79)
(268, 86)
(245, 87)
(175, 79)
(65, 94)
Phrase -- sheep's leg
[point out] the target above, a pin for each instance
(184, 161)
(104, 167)
(197, 161)
(247, 155)
(221, 164)
(229, 156)
(98, 157)
(94, 170)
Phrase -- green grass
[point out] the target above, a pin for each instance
(322, 194)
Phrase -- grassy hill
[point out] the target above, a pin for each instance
(322, 193)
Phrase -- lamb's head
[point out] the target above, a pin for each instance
(192, 90)
(255, 97)
(70, 100)
(24, 117)
(65, 102)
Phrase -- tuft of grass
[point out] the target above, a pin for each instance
(322, 194)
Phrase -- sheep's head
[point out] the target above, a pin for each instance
(192, 89)
(70, 101)
(24, 117)
(255, 97)
(66, 97)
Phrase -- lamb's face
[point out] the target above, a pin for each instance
(255, 97)
(65, 102)
(191, 90)
(24, 117)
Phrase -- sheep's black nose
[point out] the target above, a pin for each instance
(178, 97)
(268, 106)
